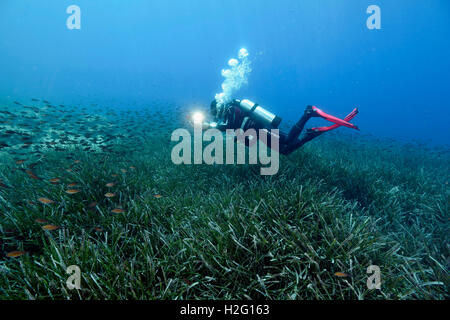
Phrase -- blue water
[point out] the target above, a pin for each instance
(320, 52)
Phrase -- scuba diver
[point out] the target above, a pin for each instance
(245, 114)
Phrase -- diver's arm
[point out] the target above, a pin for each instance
(221, 126)
(224, 122)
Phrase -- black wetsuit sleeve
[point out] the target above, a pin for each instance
(227, 118)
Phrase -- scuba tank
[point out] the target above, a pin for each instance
(259, 114)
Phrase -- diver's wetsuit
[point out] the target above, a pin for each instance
(231, 116)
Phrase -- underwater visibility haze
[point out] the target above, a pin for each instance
(92, 94)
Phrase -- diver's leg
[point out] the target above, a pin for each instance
(283, 146)
(270, 136)
(288, 149)
(298, 127)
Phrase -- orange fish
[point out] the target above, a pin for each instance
(4, 185)
(50, 227)
(110, 195)
(92, 204)
(45, 201)
(55, 180)
(118, 210)
(111, 184)
(20, 161)
(72, 191)
(157, 196)
(14, 254)
(32, 175)
(98, 229)
(72, 184)
(41, 221)
(341, 274)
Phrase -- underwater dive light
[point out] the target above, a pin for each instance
(198, 120)
(198, 117)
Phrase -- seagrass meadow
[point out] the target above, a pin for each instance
(111, 202)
